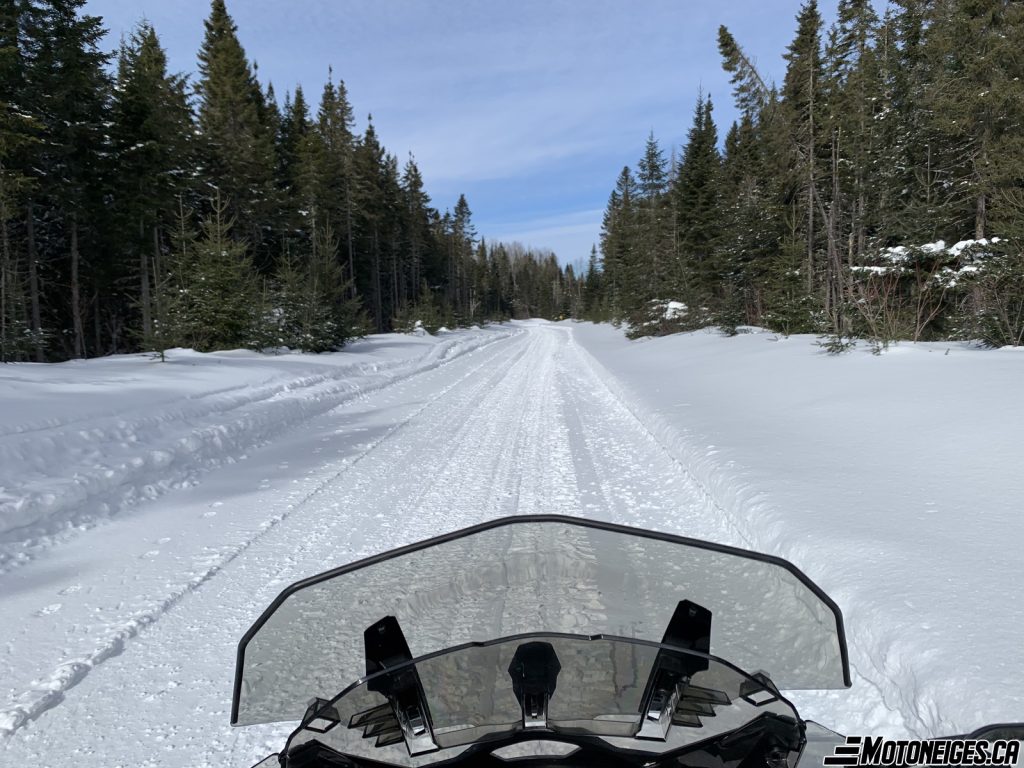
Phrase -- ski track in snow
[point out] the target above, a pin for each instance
(529, 424)
(77, 472)
(48, 690)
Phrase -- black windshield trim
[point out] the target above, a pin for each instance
(521, 519)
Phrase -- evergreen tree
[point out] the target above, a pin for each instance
(293, 137)
(217, 302)
(619, 248)
(16, 132)
(697, 206)
(237, 148)
(316, 312)
(976, 102)
(594, 307)
(655, 247)
(801, 93)
(67, 90)
(753, 95)
(152, 148)
(369, 201)
(335, 122)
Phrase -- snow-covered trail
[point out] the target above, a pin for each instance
(119, 648)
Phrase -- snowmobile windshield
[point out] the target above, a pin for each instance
(598, 688)
(538, 574)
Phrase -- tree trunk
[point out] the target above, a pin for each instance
(144, 295)
(76, 292)
(348, 233)
(97, 325)
(810, 190)
(33, 284)
(377, 310)
(979, 218)
(5, 270)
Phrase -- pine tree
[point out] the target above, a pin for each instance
(295, 130)
(913, 175)
(654, 244)
(416, 227)
(16, 133)
(335, 122)
(594, 307)
(218, 302)
(236, 144)
(316, 312)
(67, 88)
(696, 202)
(152, 148)
(752, 93)
(855, 94)
(618, 249)
(976, 101)
(802, 102)
(368, 223)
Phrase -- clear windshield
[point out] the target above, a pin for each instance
(525, 575)
(598, 692)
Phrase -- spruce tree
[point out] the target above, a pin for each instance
(218, 300)
(236, 145)
(696, 202)
(976, 101)
(619, 247)
(335, 122)
(803, 108)
(67, 89)
(654, 244)
(152, 147)
(16, 139)
(368, 223)
(416, 226)
(316, 312)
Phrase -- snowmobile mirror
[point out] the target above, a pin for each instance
(385, 646)
(759, 689)
(534, 671)
(689, 628)
(320, 716)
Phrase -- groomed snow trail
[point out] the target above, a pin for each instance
(144, 614)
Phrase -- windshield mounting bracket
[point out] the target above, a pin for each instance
(689, 630)
(386, 648)
(534, 671)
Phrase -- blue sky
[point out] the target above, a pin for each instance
(530, 108)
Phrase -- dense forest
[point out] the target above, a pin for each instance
(877, 193)
(142, 209)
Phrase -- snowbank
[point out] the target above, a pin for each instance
(81, 440)
(894, 481)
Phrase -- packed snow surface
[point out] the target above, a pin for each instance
(149, 511)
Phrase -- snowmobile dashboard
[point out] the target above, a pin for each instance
(632, 702)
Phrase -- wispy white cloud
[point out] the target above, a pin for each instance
(528, 96)
(569, 235)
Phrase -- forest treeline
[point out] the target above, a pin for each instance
(878, 192)
(142, 209)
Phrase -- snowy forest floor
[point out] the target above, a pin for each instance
(148, 513)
